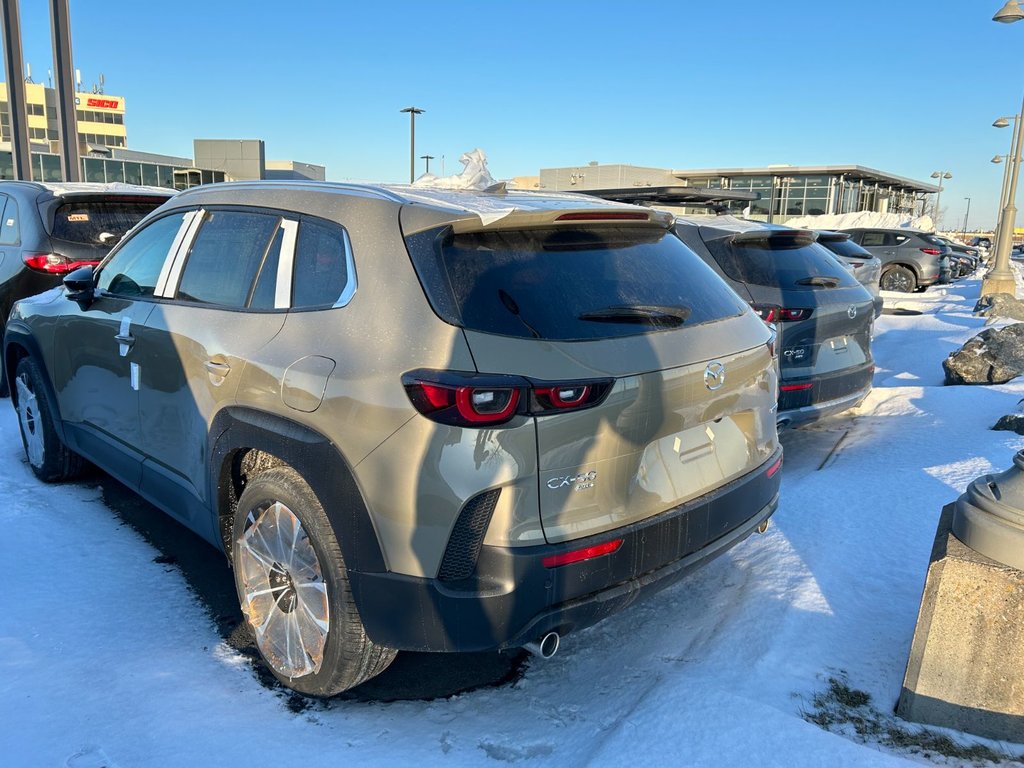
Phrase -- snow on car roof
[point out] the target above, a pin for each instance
(115, 187)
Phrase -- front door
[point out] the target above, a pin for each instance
(96, 369)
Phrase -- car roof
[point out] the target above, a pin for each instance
(487, 207)
(84, 188)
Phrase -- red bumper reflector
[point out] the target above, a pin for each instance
(587, 553)
(795, 387)
(774, 468)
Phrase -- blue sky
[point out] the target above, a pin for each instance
(903, 86)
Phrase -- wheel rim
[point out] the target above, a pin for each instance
(897, 281)
(282, 590)
(28, 418)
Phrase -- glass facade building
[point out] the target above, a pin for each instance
(46, 167)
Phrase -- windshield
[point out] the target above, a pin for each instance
(779, 260)
(569, 283)
(83, 221)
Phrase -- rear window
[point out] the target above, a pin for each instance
(569, 284)
(83, 221)
(779, 260)
(844, 247)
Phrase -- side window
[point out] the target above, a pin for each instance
(226, 257)
(133, 270)
(873, 238)
(897, 239)
(321, 267)
(10, 231)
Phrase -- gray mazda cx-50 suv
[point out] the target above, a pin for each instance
(822, 313)
(911, 260)
(412, 419)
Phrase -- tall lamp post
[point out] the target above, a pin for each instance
(1000, 279)
(966, 216)
(940, 175)
(427, 159)
(1003, 122)
(413, 111)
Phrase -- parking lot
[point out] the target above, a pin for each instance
(121, 644)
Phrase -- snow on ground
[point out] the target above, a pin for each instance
(106, 659)
(870, 219)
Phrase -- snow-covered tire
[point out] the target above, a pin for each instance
(898, 278)
(294, 589)
(49, 458)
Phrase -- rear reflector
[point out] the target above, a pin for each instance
(774, 468)
(578, 555)
(604, 216)
(795, 387)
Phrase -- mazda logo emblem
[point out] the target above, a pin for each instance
(852, 311)
(714, 375)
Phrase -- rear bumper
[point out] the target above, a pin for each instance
(513, 599)
(827, 395)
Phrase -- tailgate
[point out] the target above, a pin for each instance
(661, 437)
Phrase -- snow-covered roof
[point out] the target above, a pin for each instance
(115, 187)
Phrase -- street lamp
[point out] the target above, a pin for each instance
(1000, 279)
(966, 215)
(940, 175)
(1009, 13)
(428, 158)
(413, 111)
(1003, 122)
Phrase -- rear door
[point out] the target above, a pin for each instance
(690, 381)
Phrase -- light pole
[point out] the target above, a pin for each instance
(428, 158)
(413, 111)
(940, 175)
(1000, 279)
(966, 216)
(1003, 122)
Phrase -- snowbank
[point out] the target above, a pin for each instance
(863, 219)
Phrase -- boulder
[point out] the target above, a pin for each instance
(994, 356)
(1013, 422)
(1000, 305)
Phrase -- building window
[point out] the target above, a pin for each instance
(94, 169)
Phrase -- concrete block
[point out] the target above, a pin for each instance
(966, 667)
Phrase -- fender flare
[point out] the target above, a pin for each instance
(17, 334)
(314, 457)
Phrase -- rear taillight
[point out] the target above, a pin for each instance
(587, 553)
(478, 400)
(931, 251)
(773, 314)
(53, 263)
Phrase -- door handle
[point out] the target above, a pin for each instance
(217, 369)
(125, 338)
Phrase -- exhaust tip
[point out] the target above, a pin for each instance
(546, 647)
(763, 525)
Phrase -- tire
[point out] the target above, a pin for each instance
(49, 458)
(294, 590)
(897, 278)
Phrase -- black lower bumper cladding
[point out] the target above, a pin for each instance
(512, 599)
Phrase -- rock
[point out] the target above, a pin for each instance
(994, 356)
(1001, 305)
(1014, 422)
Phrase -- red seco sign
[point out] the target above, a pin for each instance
(102, 103)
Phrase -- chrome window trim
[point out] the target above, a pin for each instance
(350, 270)
(286, 264)
(170, 275)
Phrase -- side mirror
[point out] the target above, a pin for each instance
(80, 286)
(109, 238)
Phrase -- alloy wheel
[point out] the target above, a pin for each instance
(28, 417)
(284, 595)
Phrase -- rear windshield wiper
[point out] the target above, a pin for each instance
(822, 281)
(640, 313)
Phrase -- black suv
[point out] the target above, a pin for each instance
(911, 260)
(48, 230)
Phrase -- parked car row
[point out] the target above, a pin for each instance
(413, 424)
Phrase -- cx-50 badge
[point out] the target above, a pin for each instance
(714, 375)
(852, 311)
(578, 482)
